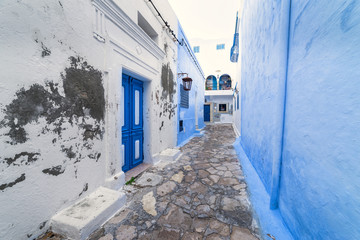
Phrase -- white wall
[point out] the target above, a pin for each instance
(215, 62)
(237, 82)
(68, 151)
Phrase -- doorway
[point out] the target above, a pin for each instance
(133, 128)
(207, 113)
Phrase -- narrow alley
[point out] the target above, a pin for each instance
(200, 196)
(179, 119)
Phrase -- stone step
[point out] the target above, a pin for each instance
(169, 154)
(85, 216)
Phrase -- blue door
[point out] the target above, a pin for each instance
(207, 113)
(132, 130)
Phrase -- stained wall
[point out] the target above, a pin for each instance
(61, 101)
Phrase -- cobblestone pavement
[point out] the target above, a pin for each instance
(201, 196)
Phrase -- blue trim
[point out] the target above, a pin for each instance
(127, 116)
(137, 85)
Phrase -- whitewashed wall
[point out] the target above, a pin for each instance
(61, 101)
(223, 117)
(237, 82)
(215, 62)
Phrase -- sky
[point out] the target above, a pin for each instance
(206, 19)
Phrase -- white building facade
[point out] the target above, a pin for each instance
(220, 83)
(88, 91)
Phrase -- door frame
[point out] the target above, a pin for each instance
(211, 110)
(132, 129)
(147, 145)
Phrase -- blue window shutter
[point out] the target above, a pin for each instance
(184, 97)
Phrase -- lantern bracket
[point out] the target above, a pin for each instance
(181, 74)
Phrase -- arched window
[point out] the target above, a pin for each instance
(225, 82)
(211, 83)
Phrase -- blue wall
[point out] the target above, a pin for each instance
(319, 196)
(262, 83)
(320, 183)
(186, 64)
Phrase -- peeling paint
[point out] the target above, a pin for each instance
(55, 171)
(10, 184)
(95, 156)
(68, 152)
(42, 225)
(84, 95)
(91, 132)
(166, 46)
(26, 157)
(162, 125)
(83, 87)
(157, 97)
(45, 51)
(167, 82)
(85, 188)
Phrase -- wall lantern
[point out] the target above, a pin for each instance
(186, 81)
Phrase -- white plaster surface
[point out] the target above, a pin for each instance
(106, 35)
(81, 219)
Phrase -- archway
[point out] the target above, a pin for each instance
(211, 83)
(225, 82)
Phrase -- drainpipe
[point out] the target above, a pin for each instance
(276, 169)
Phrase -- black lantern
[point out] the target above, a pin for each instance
(187, 83)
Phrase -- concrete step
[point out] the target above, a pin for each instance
(168, 155)
(85, 216)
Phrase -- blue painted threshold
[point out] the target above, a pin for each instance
(270, 221)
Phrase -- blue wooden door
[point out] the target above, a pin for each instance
(207, 113)
(132, 130)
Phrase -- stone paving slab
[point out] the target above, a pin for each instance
(202, 195)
